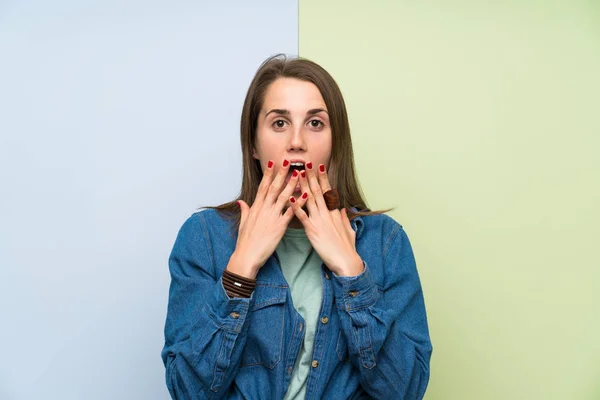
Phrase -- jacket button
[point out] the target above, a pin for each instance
(300, 327)
(324, 320)
(326, 276)
(315, 364)
(353, 293)
(235, 315)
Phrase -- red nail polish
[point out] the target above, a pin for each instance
(292, 199)
(304, 195)
(309, 165)
(295, 174)
(322, 168)
(286, 163)
(303, 174)
(238, 204)
(270, 164)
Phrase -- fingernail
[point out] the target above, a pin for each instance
(286, 163)
(309, 165)
(303, 173)
(295, 174)
(304, 195)
(238, 203)
(292, 199)
(322, 168)
(270, 164)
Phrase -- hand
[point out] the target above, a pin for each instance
(329, 232)
(262, 226)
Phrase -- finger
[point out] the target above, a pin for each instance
(315, 188)
(336, 216)
(288, 215)
(244, 209)
(323, 178)
(277, 184)
(302, 199)
(309, 201)
(267, 178)
(348, 225)
(287, 191)
(300, 213)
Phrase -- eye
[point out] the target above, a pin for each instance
(315, 123)
(279, 123)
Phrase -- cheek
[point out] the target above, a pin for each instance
(324, 147)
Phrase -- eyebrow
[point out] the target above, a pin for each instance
(286, 113)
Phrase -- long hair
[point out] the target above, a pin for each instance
(341, 166)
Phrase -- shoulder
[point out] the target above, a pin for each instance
(382, 234)
(211, 225)
(382, 224)
(207, 216)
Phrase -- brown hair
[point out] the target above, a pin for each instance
(341, 166)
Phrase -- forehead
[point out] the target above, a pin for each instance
(292, 94)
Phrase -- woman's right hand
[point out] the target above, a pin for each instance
(262, 226)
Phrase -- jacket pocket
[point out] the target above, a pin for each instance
(342, 346)
(265, 332)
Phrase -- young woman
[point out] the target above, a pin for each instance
(295, 290)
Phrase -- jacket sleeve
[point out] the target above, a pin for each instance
(386, 327)
(205, 330)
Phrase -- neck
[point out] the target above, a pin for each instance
(295, 223)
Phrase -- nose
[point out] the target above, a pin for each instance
(297, 140)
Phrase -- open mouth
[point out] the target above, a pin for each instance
(295, 166)
(299, 166)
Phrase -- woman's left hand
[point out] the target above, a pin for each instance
(329, 231)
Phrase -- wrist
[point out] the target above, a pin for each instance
(351, 267)
(240, 265)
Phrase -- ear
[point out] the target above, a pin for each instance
(255, 154)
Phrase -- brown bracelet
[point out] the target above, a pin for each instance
(238, 286)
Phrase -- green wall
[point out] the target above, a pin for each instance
(480, 123)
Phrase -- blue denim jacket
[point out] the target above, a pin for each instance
(372, 339)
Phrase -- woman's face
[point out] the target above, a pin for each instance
(293, 125)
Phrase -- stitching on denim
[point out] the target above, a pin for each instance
(392, 237)
(280, 348)
(216, 384)
(366, 354)
(273, 285)
(236, 329)
(209, 244)
(372, 300)
(343, 339)
(280, 340)
(278, 300)
(244, 310)
(211, 316)
(221, 350)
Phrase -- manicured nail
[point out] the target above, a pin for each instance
(286, 163)
(303, 173)
(238, 203)
(304, 195)
(322, 168)
(292, 199)
(295, 174)
(270, 164)
(309, 165)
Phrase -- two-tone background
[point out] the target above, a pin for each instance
(479, 121)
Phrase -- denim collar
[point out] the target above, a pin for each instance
(357, 224)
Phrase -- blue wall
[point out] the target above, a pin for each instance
(117, 120)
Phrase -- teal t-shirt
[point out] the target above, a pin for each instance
(301, 267)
